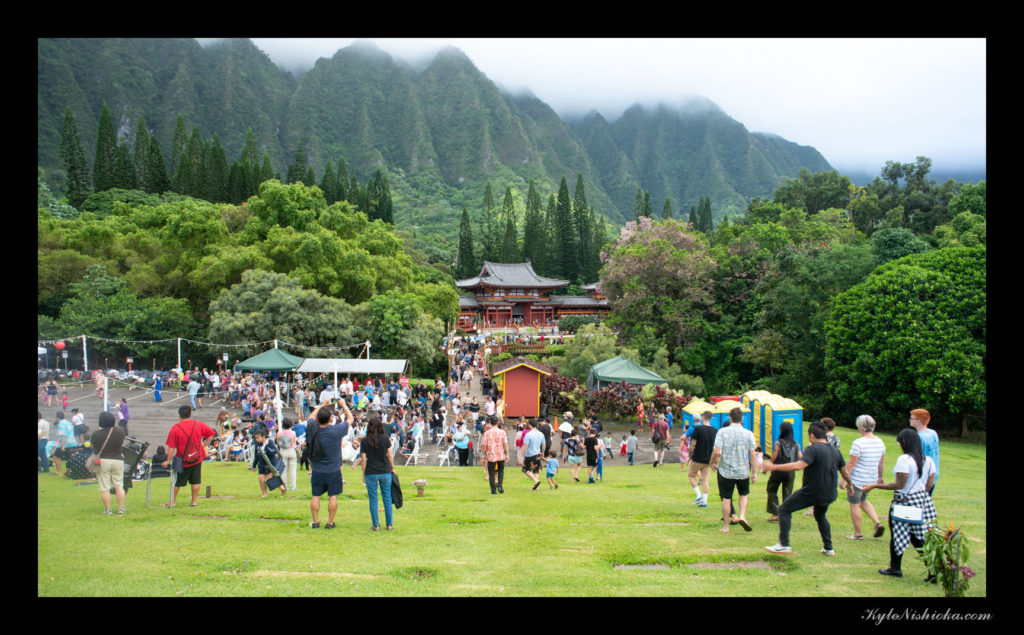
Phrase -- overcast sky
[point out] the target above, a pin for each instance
(860, 102)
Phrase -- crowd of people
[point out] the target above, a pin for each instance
(373, 423)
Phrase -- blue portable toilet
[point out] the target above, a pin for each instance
(721, 414)
(776, 410)
(692, 411)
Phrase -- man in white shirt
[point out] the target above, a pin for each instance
(736, 464)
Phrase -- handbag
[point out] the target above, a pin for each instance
(908, 514)
(93, 464)
(275, 481)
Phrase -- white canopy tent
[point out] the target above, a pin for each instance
(353, 366)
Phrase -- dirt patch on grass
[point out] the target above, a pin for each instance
(645, 567)
(730, 565)
(313, 574)
(207, 516)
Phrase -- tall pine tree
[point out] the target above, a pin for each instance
(105, 164)
(509, 242)
(568, 257)
(489, 240)
(666, 211)
(581, 222)
(77, 182)
(156, 169)
(466, 265)
(140, 157)
(533, 229)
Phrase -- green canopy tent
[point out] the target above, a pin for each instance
(617, 369)
(274, 359)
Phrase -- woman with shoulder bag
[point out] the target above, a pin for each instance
(108, 440)
(786, 451)
(912, 511)
(287, 443)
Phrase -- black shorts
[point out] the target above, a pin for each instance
(191, 475)
(329, 482)
(79, 429)
(531, 463)
(64, 454)
(726, 485)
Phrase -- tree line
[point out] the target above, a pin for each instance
(198, 168)
(562, 239)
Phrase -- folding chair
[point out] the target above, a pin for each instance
(415, 456)
(445, 456)
(161, 472)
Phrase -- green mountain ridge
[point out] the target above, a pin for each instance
(442, 132)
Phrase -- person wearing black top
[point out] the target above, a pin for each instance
(820, 462)
(786, 451)
(378, 466)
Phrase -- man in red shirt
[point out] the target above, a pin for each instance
(185, 439)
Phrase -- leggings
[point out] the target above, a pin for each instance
(896, 559)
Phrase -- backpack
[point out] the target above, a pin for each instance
(788, 452)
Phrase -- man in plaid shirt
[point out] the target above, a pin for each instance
(495, 447)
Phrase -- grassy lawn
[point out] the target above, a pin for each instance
(459, 540)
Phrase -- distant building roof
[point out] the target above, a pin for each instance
(509, 364)
(573, 300)
(518, 275)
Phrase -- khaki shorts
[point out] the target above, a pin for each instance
(697, 468)
(110, 474)
(858, 496)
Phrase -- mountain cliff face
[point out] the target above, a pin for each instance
(441, 132)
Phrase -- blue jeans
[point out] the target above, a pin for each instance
(44, 461)
(385, 489)
(192, 400)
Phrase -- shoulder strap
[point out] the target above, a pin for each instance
(104, 446)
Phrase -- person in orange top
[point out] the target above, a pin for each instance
(495, 447)
(640, 414)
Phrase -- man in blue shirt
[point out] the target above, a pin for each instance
(919, 420)
(323, 442)
(533, 444)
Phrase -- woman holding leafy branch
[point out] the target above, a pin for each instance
(914, 475)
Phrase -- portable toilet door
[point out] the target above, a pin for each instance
(778, 409)
(755, 399)
(721, 414)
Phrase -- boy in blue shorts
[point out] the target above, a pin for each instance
(552, 469)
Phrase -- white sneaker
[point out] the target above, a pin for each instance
(828, 552)
(778, 548)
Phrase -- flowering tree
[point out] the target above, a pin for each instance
(658, 273)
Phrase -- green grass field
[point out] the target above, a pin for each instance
(635, 534)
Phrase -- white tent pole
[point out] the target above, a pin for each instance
(85, 357)
(179, 353)
(106, 393)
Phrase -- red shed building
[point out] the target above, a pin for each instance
(519, 382)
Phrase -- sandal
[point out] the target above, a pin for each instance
(879, 530)
(856, 537)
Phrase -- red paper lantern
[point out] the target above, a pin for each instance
(60, 346)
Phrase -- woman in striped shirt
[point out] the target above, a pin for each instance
(865, 466)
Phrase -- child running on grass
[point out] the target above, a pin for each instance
(552, 469)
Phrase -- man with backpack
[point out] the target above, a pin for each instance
(185, 440)
(660, 436)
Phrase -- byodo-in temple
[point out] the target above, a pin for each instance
(513, 294)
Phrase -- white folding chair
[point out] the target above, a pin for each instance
(445, 456)
(415, 456)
